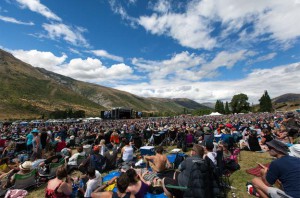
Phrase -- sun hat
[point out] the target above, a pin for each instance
(295, 150)
(35, 130)
(278, 146)
(27, 165)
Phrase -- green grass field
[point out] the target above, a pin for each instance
(238, 179)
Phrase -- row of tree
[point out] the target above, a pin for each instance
(239, 104)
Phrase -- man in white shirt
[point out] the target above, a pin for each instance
(94, 182)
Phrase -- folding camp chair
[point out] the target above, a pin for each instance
(53, 167)
(25, 181)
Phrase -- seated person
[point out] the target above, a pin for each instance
(111, 157)
(224, 149)
(137, 185)
(61, 144)
(73, 159)
(58, 187)
(114, 138)
(209, 146)
(95, 160)
(266, 136)
(94, 181)
(4, 165)
(126, 152)
(182, 178)
(24, 169)
(190, 138)
(51, 158)
(122, 185)
(158, 162)
(285, 169)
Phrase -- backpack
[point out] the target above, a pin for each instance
(98, 162)
(178, 159)
(202, 181)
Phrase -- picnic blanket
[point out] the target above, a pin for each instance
(256, 171)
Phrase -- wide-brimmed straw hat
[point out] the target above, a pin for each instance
(27, 165)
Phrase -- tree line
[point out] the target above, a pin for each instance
(239, 104)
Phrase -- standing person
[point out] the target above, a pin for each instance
(43, 137)
(158, 162)
(284, 168)
(103, 148)
(36, 145)
(29, 139)
(57, 188)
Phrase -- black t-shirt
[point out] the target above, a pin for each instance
(44, 136)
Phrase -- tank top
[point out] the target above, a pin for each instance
(54, 194)
(127, 154)
(143, 191)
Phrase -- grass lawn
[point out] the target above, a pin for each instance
(238, 179)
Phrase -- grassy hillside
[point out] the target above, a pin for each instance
(29, 92)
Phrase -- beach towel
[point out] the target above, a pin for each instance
(256, 171)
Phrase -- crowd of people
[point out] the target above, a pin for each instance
(95, 148)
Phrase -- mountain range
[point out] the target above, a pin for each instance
(29, 92)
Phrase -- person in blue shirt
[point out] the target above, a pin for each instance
(29, 139)
(285, 169)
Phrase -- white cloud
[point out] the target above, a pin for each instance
(105, 54)
(41, 59)
(117, 8)
(94, 71)
(274, 20)
(36, 6)
(73, 35)
(262, 58)
(277, 80)
(226, 59)
(189, 30)
(89, 69)
(13, 20)
(162, 69)
(162, 6)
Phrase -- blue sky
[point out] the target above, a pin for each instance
(202, 50)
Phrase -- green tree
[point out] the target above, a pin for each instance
(222, 109)
(227, 111)
(265, 102)
(219, 107)
(239, 103)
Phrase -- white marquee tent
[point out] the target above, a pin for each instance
(215, 114)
